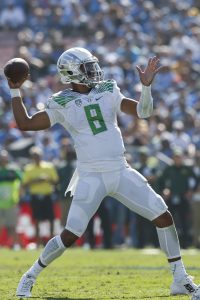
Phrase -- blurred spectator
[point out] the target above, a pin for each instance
(10, 178)
(124, 231)
(104, 216)
(146, 233)
(123, 220)
(176, 185)
(180, 138)
(65, 169)
(49, 148)
(12, 16)
(39, 180)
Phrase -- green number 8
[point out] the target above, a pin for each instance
(95, 118)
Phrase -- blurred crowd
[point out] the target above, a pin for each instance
(122, 34)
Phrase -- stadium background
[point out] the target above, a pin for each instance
(121, 34)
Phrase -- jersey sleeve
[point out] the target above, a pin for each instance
(54, 111)
(117, 96)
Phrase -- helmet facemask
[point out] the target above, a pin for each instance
(92, 73)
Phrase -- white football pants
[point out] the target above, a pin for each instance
(127, 186)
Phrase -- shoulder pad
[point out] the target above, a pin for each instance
(106, 86)
(60, 99)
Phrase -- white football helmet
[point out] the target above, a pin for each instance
(78, 65)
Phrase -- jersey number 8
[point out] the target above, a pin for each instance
(95, 118)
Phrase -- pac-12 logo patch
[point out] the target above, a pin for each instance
(78, 102)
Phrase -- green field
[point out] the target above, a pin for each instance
(97, 274)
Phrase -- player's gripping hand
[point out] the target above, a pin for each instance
(147, 75)
(16, 85)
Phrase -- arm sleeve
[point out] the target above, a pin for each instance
(54, 112)
(145, 104)
(54, 116)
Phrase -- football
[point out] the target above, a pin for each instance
(16, 69)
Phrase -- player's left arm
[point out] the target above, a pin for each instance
(144, 107)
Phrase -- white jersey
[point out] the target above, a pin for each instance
(91, 120)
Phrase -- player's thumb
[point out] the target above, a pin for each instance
(11, 84)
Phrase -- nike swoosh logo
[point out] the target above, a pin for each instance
(98, 98)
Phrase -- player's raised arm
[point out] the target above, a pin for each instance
(38, 121)
(144, 107)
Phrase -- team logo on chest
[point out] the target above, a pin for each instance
(78, 102)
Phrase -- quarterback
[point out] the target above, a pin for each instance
(88, 110)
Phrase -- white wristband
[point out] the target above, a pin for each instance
(15, 93)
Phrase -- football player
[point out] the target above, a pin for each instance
(88, 110)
